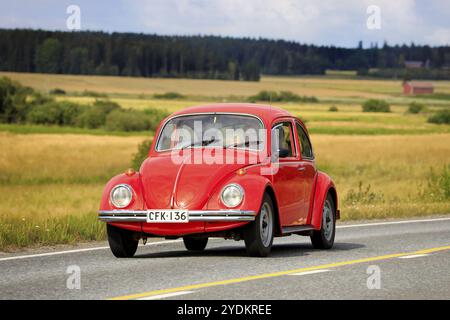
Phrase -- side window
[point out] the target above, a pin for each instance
(305, 144)
(281, 139)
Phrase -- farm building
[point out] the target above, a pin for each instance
(413, 64)
(413, 87)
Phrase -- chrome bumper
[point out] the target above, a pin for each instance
(194, 215)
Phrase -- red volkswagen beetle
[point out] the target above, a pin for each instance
(236, 171)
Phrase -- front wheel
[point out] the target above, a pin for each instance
(258, 235)
(122, 242)
(195, 244)
(324, 238)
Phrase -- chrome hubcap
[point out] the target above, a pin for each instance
(328, 223)
(266, 225)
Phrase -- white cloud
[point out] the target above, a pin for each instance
(323, 22)
(439, 36)
(331, 22)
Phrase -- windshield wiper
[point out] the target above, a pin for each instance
(203, 143)
(246, 144)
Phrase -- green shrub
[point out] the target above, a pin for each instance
(415, 107)
(57, 91)
(282, 96)
(440, 117)
(63, 113)
(155, 116)
(264, 95)
(47, 113)
(38, 98)
(127, 120)
(333, 109)
(94, 94)
(71, 112)
(95, 116)
(375, 105)
(288, 96)
(13, 101)
(169, 95)
(141, 154)
(91, 118)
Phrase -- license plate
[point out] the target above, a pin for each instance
(169, 216)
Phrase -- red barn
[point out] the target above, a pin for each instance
(413, 87)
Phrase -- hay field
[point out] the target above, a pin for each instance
(322, 87)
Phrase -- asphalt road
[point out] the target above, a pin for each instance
(407, 260)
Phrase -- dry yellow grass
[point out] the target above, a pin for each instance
(397, 168)
(318, 86)
(62, 158)
(50, 185)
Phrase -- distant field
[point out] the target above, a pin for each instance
(322, 87)
(51, 177)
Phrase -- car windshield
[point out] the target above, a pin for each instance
(212, 130)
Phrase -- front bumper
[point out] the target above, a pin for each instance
(194, 215)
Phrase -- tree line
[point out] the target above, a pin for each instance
(210, 57)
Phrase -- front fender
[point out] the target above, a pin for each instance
(323, 185)
(134, 181)
(254, 186)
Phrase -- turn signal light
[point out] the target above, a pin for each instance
(241, 172)
(130, 171)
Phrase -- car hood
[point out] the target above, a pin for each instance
(186, 185)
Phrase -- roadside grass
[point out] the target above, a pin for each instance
(385, 176)
(51, 185)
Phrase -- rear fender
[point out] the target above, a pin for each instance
(324, 185)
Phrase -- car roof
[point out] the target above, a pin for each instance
(266, 113)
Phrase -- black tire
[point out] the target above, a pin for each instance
(195, 244)
(258, 243)
(323, 239)
(122, 242)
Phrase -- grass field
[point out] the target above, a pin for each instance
(385, 165)
(325, 88)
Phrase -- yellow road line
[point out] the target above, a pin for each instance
(277, 274)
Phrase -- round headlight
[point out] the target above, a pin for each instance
(121, 195)
(232, 195)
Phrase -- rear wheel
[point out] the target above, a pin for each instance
(195, 244)
(258, 235)
(324, 238)
(122, 242)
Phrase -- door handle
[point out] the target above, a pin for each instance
(301, 168)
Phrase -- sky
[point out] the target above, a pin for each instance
(326, 22)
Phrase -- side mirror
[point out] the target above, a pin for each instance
(283, 153)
